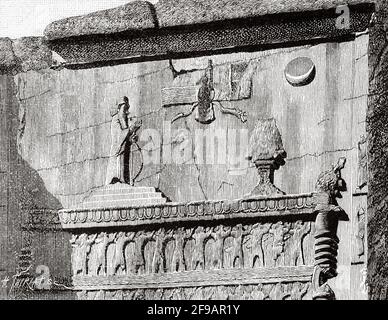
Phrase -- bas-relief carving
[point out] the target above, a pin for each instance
(99, 250)
(204, 106)
(187, 249)
(275, 291)
(81, 246)
(267, 153)
(362, 174)
(359, 205)
(205, 99)
(269, 244)
(300, 71)
(177, 262)
(328, 188)
(361, 231)
(219, 234)
(359, 240)
(241, 80)
(295, 245)
(280, 232)
(233, 83)
(199, 236)
(258, 231)
(250, 207)
(123, 137)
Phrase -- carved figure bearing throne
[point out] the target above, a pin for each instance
(328, 188)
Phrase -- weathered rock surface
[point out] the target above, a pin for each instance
(24, 54)
(175, 12)
(142, 15)
(134, 16)
(8, 59)
(377, 120)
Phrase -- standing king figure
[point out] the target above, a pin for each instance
(123, 134)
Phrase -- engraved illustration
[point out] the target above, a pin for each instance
(193, 150)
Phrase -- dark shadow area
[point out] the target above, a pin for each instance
(29, 188)
(29, 203)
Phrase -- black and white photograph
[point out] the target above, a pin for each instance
(193, 150)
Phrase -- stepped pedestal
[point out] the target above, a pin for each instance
(122, 195)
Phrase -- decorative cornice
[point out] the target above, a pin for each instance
(257, 207)
(173, 13)
(198, 38)
(133, 16)
(138, 16)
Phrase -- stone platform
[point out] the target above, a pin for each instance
(121, 195)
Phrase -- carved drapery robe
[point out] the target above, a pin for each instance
(122, 126)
